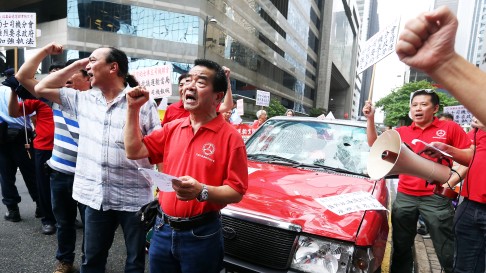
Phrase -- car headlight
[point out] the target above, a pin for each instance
(316, 255)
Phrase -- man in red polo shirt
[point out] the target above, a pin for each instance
(414, 194)
(176, 110)
(209, 158)
(470, 218)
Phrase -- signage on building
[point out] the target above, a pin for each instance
(378, 47)
(460, 113)
(156, 79)
(17, 29)
(262, 98)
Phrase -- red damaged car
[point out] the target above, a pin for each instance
(280, 227)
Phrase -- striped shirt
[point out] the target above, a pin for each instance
(66, 135)
(105, 178)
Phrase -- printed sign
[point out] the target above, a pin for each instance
(460, 113)
(378, 47)
(350, 202)
(156, 79)
(17, 29)
(263, 98)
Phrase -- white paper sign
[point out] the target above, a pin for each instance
(460, 113)
(240, 107)
(156, 79)
(378, 46)
(350, 202)
(262, 98)
(161, 180)
(17, 29)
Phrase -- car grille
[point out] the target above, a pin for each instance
(260, 244)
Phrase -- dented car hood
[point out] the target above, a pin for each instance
(288, 194)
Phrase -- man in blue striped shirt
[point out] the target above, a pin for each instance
(62, 164)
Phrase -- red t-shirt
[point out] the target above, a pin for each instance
(447, 132)
(175, 111)
(474, 185)
(45, 123)
(215, 155)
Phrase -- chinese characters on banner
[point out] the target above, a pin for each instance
(262, 98)
(156, 79)
(245, 130)
(378, 47)
(17, 29)
(460, 113)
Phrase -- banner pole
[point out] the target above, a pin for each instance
(372, 83)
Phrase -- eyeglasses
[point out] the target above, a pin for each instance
(428, 91)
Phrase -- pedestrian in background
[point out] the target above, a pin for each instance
(108, 183)
(261, 118)
(43, 145)
(208, 157)
(15, 133)
(290, 113)
(415, 196)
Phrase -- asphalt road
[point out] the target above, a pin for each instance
(23, 248)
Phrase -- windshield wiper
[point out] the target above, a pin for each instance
(338, 170)
(275, 159)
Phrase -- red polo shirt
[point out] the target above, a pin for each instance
(45, 123)
(447, 132)
(175, 111)
(215, 155)
(474, 185)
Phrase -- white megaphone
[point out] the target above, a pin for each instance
(389, 156)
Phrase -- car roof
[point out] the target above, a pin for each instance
(331, 121)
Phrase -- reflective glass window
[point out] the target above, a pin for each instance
(133, 20)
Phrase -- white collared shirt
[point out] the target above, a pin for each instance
(105, 178)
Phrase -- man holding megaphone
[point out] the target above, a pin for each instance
(415, 196)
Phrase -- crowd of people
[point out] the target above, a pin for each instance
(68, 169)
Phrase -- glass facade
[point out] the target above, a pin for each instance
(133, 20)
(342, 41)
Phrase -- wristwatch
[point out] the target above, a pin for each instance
(203, 195)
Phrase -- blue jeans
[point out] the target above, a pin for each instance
(64, 208)
(44, 185)
(198, 250)
(13, 155)
(470, 231)
(99, 232)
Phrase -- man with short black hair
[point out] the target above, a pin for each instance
(415, 195)
(208, 157)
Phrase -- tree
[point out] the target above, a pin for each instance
(275, 108)
(315, 112)
(396, 105)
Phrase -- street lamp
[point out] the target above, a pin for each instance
(209, 19)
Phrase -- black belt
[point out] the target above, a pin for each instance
(179, 223)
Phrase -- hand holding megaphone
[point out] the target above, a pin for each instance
(436, 149)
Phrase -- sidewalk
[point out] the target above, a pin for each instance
(425, 258)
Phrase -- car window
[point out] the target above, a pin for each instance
(313, 142)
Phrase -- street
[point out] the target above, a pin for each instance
(23, 248)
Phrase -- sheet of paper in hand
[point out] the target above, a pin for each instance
(414, 142)
(161, 180)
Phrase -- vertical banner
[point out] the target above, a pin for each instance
(18, 29)
(156, 79)
(378, 47)
(263, 98)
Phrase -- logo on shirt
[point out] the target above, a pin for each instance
(441, 134)
(207, 151)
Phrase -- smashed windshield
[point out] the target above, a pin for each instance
(313, 143)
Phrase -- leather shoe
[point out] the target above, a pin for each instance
(12, 215)
(48, 229)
